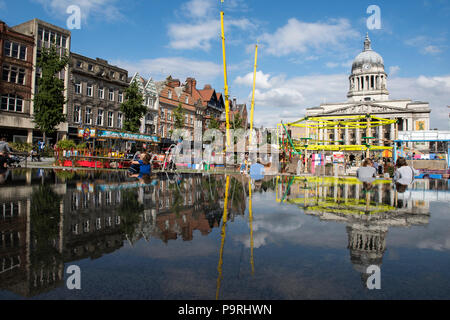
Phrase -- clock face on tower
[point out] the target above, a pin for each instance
(367, 66)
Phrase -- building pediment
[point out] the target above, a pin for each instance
(365, 108)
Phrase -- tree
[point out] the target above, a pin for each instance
(178, 115)
(49, 100)
(237, 122)
(133, 108)
(214, 124)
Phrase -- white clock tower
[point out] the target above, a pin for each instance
(368, 79)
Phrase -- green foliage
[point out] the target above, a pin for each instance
(45, 218)
(178, 115)
(82, 145)
(237, 122)
(129, 211)
(133, 108)
(66, 144)
(49, 100)
(214, 124)
(21, 146)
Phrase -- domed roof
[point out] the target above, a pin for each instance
(368, 56)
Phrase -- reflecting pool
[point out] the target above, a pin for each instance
(220, 237)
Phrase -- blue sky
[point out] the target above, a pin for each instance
(305, 54)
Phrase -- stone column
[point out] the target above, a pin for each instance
(392, 136)
(380, 136)
(346, 137)
(358, 136)
(30, 136)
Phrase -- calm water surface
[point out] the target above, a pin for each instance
(191, 237)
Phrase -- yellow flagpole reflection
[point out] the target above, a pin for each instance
(223, 235)
(250, 218)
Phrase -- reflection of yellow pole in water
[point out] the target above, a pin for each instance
(250, 218)
(227, 102)
(223, 235)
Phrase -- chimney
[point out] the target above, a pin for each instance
(191, 84)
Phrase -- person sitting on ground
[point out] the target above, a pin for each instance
(367, 172)
(142, 166)
(404, 174)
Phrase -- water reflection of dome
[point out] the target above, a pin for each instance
(367, 245)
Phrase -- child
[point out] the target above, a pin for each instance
(141, 166)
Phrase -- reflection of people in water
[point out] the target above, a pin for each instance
(4, 174)
(404, 174)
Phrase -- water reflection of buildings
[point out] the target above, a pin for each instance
(368, 212)
(94, 218)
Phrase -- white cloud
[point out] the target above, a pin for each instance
(105, 9)
(427, 45)
(178, 67)
(198, 35)
(300, 37)
(197, 8)
(262, 80)
(393, 71)
(280, 98)
(203, 26)
(432, 49)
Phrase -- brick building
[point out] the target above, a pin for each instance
(44, 35)
(16, 61)
(95, 93)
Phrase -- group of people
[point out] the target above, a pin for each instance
(403, 175)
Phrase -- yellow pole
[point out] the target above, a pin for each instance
(253, 94)
(223, 235)
(227, 102)
(250, 218)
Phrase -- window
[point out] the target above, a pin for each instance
(111, 94)
(187, 119)
(77, 114)
(63, 41)
(7, 49)
(119, 120)
(90, 90)
(163, 116)
(122, 77)
(23, 53)
(120, 96)
(12, 103)
(170, 94)
(79, 64)
(110, 119)
(88, 116)
(90, 67)
(187, 100)
(100, 117)
(13, 74)
(78, 87)
(111, 74)
(15, 50)
(101, 93)
(169, 116)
